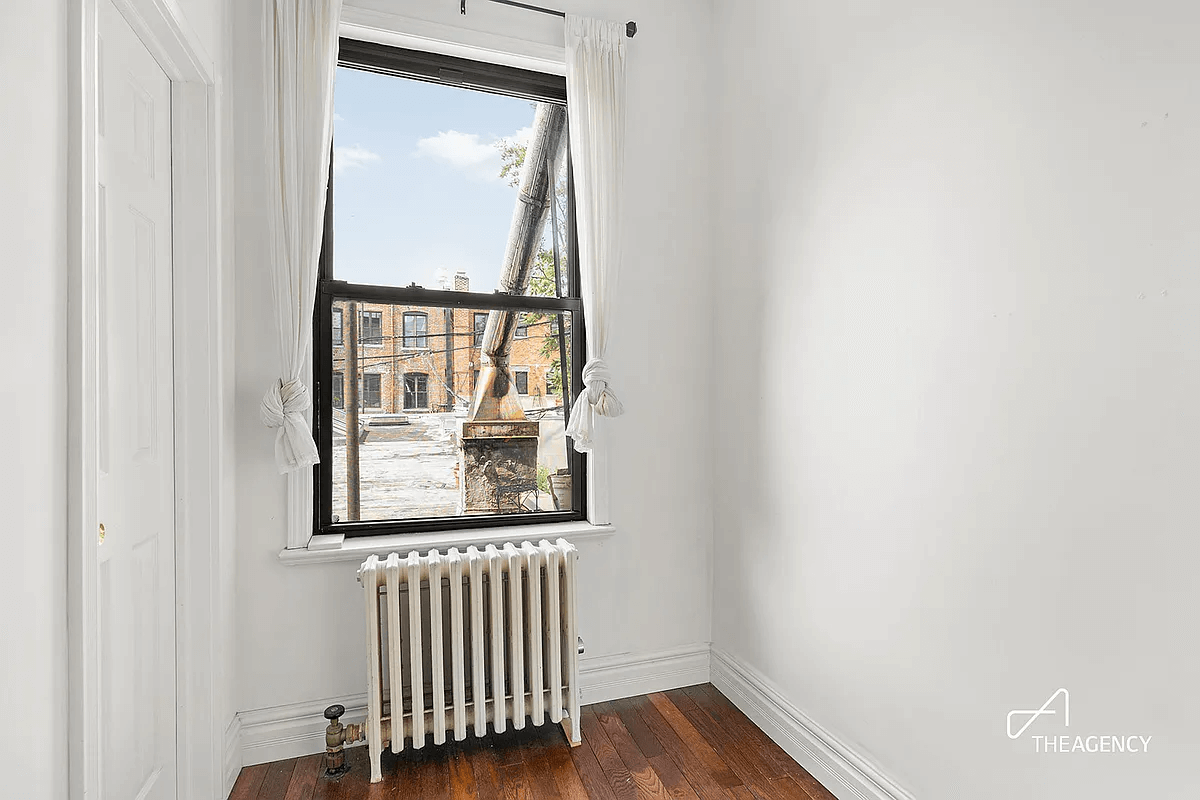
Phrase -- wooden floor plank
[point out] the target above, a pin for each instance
(648, 781)
(591, 774)
(731, 749)
(681, 745)
(249, 781)
(699, 773)
(641, 733)
(275, 784)
(767, 746)
(462, 778)
(694, 741)
(304, 780)
(672, 778)
(482, 756)
(619, 779)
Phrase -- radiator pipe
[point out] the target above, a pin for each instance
(337, 736)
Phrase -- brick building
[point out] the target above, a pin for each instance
(420, 359)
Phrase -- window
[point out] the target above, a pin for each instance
(480, 326)
(371, 329)
(371, 391)
(408, 211)
(415, 327)
(416, 391)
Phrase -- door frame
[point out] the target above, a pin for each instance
(199, 384)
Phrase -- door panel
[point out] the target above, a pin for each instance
(135, 451)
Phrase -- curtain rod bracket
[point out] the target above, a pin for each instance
(630, 28)
(462, 7)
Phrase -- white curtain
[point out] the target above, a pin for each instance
(301, 57)
(596, 105)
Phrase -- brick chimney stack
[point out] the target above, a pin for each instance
(461, 282)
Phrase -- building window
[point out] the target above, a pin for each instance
(378, 286)
(371, 330)
(372, 393)
(416, 391)
(416, 326)
(480, 327)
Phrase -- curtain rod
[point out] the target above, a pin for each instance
(630, 27)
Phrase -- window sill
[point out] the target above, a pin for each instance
(333, 548)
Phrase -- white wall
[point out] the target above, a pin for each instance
(33, 397)
(300, 635)
(967, 305)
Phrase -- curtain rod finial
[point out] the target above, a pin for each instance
(630, 27)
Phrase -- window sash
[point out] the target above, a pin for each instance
(370, 328)
(416, 391)
(416, 328)
(372, 389)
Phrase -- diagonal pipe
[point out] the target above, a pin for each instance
(495, 398)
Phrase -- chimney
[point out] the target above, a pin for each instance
(461, 282)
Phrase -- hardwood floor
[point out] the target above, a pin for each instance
(686, 744)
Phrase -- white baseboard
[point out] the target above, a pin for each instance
(843, 771)
(298, 729)
(232, 755)
(294, 730)
(630, 674)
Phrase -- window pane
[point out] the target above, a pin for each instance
(457, 153)
(415, 327)
(337, 326)
(371, 328)
(447, 434)
(338, 381)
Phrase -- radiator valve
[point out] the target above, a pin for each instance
(337, 736)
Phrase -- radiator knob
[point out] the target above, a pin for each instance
(334, 711)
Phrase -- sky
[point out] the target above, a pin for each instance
(416, 183)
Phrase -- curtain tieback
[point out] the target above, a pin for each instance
(596, 378)
(283, 407)
(599, 398)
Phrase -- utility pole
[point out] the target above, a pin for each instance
(352, 505)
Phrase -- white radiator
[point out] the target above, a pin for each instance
(491, 640)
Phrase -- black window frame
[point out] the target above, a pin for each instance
(477, 330)
(480, 76)
(376, 316)
(421, 378)
(338, 390)
(362, 391)
(410, 341)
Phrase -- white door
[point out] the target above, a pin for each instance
(135, 506)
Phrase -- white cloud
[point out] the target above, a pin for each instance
(345, 158)
(469, 152)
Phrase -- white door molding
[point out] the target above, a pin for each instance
(198, 382)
